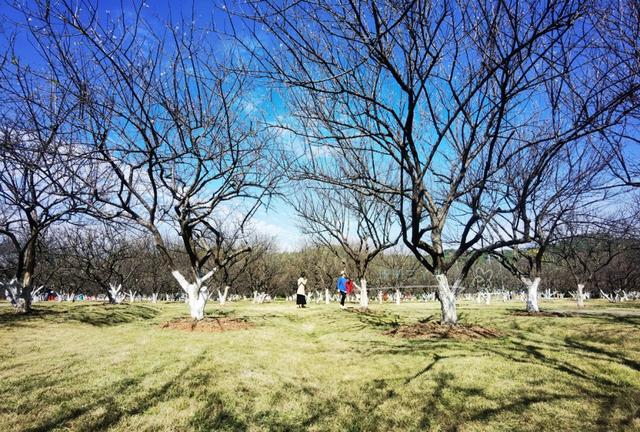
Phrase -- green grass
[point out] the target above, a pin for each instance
(92, 367)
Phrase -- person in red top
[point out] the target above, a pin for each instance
(349, 286)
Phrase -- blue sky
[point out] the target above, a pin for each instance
(278, 220)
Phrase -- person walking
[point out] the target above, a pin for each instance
(342, 288)
(301, 296)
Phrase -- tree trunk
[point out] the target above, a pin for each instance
(580, 295)
(35, 295)
(222, 296)
(25, 297)
(114, 293)
(532, 294)
(447, 300)
(24, 305)
(327, 296)
(364, 295)
(380, 295)
(398, 296)
(154, 297)
(196, 293)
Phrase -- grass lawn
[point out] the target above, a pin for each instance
(89, 366)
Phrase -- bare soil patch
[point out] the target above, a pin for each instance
(434, 330)
(207, 325)
(542, 314)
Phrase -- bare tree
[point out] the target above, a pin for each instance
(255, 271)
(103, 256)
(235, 252)
(588, 245)
(618, 32)
(567, 186)
(166, 119)
(427, 104)
(348, 223)
(38, 163)
(322, 267)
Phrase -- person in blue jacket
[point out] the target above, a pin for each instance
(342, 288)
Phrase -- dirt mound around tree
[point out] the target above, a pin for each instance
(207, 325)
(434, 330)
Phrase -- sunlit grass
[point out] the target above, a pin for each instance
(93, 366)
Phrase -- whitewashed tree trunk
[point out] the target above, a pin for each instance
(13, 290)
(132, 296)
(115, 292)
(154, 297)
(608, 297)
(532, 294)
(35, 295)
(380, 296)
(397, 296)
(580, 295)
(327, 296)
(222, 296)
(197, 293)
(488, 298)
(447, 299)
(364, 295)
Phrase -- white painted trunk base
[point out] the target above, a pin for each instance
(197, 293)
(364, 295)
(114, 290)
(532, 294)
(222, 296)
(447, 299)
(132, 296)
(580, 295)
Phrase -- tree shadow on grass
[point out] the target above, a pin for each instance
(584, 383)
(105, 398)
(624, 317)
(215, 416)
(601, 353)
(582, 379)
(379, 320)
(99, 315)
(218, 412)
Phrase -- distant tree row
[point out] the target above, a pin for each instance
(94, 262)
